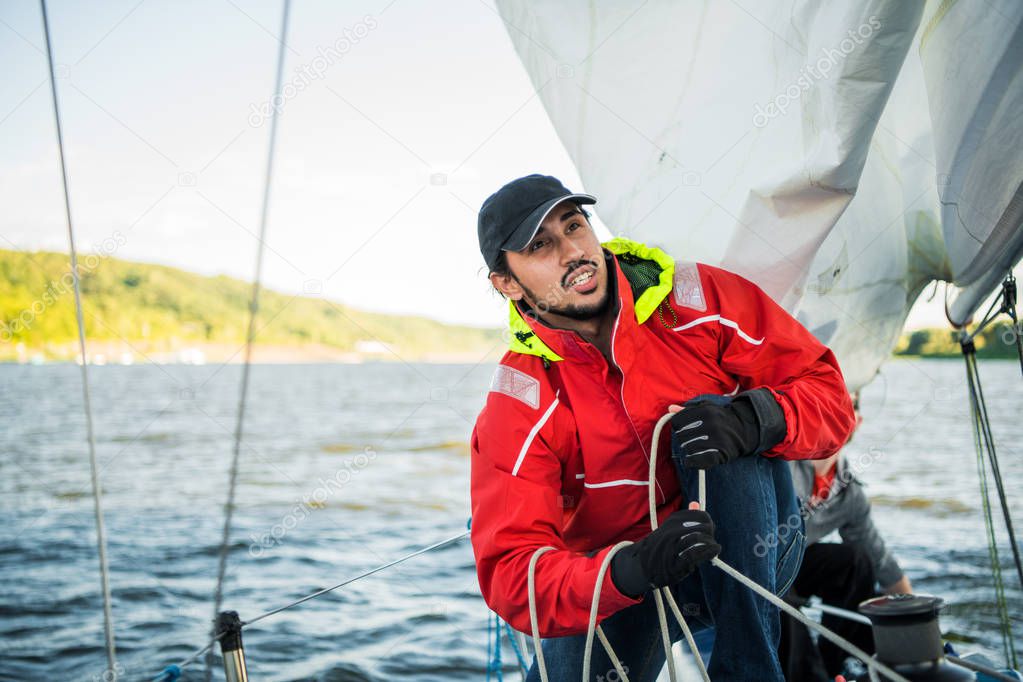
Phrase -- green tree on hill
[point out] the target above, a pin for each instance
(156, 304)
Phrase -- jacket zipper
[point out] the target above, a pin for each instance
(632, 424)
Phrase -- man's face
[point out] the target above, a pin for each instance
(562, 271)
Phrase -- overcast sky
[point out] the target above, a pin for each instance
(400, 121)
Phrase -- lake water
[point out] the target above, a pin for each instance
(348, 466)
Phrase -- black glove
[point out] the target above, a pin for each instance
(667, 555)
(714, 429)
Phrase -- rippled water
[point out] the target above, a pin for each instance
(346, 467)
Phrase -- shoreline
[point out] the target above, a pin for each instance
(127, 354)
(269, 358)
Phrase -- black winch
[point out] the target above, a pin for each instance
(907, 637)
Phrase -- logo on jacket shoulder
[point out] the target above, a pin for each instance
(688, 290)
(516, 384)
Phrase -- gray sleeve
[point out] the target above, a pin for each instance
(858, 529)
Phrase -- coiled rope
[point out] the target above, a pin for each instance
(225, 538)
(873, 665)
(97, 493)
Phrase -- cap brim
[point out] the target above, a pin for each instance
(528, 228)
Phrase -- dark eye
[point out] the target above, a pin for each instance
(574, 226)
(536, 245)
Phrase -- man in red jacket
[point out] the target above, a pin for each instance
(604, 339)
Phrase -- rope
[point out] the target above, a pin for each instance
(497, 649)
(841, 613)
(662, 620)
(977, 667)
(541, 663)
(594, 607)
(494, 649)
(97, 493)
(689, 636)
(980, 405)
(517, 647)
(218, 592)
(267, 614)
(873, 665)
(619, 668)
(533, 620)
(424, 550)
(660, 596)
(949, 656)
(983, 440)
(992, 544)
(490, 646)
(871, 662)
(170, 674)
(173, 672)
(652, 501)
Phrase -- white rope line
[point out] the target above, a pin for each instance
(533, 620)
(871, 662)
(662, 620)
(218, 592)
(873, 665)
(652, 500)
(835, 611)
(689, 636)
(377, 569)
(854, 650)
(97, 492)
(595, 605)
(619, 668)
(977, 667)
(541, 663)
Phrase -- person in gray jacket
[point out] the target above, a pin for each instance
(841, 574)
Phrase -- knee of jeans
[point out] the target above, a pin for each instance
(784, 489)
(744, 471)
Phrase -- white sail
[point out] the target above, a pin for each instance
(972, 55)
(792, 142)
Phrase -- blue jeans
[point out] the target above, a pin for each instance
(757, 522)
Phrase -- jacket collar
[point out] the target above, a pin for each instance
(531, 337)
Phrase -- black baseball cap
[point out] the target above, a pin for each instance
(511, 216)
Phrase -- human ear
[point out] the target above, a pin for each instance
(507, 285)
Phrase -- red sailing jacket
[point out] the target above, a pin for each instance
(560, 450)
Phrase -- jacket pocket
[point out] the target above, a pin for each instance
(789, 561)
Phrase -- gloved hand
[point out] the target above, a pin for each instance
(713, 430)
(666, 555)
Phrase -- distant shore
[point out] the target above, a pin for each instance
(929, 344)
(120, 353)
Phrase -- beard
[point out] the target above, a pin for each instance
(573, 311)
